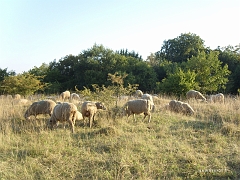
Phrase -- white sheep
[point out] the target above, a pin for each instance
(65, 95)
(180, 107)
(40, 107)
(138, 93)
(217, 98)
(138, 106)
(195, 95)
(149, 97)
(89, 109)
(74, 96)
(63, 112)
(79, 116)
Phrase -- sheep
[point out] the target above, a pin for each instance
(217, 98)
(74, 96)
(79, 116)
(149, 97)
(65, 95)
(138, 106)
(40, 107)
(195, 94)
(89, 109)
(180, 107)
(64, 112)
(138, 93)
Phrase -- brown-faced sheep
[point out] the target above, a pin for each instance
(64, 112)
(89, 109)
(65, 95)
(195, 95)
(138, 106)
(217, 98)
(40, 107)
(180, 107)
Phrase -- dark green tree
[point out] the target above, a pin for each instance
(180, 49)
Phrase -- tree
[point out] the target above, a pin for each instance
(5, 73)
(24, 84)
(210, 75)
(177, 83)
(181, 48)
(231, 56)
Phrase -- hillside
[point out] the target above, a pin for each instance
(171, 146)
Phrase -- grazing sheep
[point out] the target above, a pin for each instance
(63, 112)
(138, 106)
(79, 116)
(149, 97)
(217, 98)
(138, 93)
(65, 95)
(40, 107)
(195, 94)
(74, 96)
(180, 107)
(89, 109)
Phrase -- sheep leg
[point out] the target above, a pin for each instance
(71, 123)
(134, 117)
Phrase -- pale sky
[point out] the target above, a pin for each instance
(33, 32)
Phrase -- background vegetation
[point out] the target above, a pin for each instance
(181, 64)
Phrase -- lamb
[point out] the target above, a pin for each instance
(180, 107)
(64, 112)
(89, 109)
(138, 93)
(195, 94)
(65, 95)
(40, 107)
(138, 106)
(217, 98)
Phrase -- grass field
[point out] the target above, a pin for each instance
(171, 146)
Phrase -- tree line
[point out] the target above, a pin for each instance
(181, 64)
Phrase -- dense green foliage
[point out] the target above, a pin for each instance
(182, 63)
(24, 84)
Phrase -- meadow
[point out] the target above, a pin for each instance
(172, 146)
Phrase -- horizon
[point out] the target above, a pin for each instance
(33, 33)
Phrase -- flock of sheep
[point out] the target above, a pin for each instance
(143, 103)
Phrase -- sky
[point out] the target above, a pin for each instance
(33, 32)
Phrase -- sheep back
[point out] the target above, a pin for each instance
(40, 107)
(138, 106)
(195, 94)
(64, 112)
(65, 95)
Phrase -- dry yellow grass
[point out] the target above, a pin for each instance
(172, 146)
